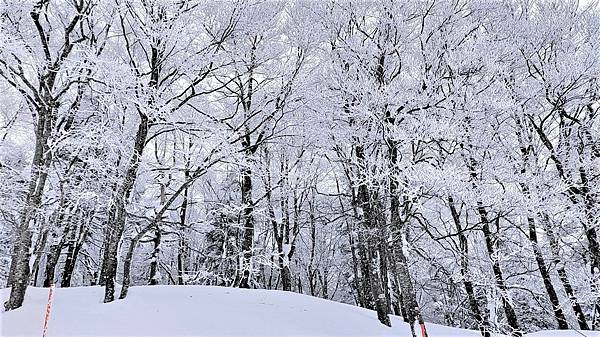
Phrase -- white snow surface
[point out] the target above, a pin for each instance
(205, 311)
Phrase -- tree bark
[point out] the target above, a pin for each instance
(154, 260)
(509, 311)
(182, 245)
(248, 226)
(54, 254)
(39, 252)
(370, 241)
(562, 275)
(539, 258)
(490, 245)
(484, 326)
(45, 106)
(525, 149)
(409, 304)
(117, 212)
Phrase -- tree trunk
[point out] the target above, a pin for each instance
(248, 228)
(18, 277)
(383, 268)
(53, 256)
(409, 303)
(562, 275)
(19, 272)
(117, 212)
(482, 322)
(77, 236)
(509, 311)
(396, 299)
(154, 260)
(182, 246)
(129, 257)
(370, 242)
(39, 252)
(539, 258)
(525, 149)
(355, 251)
(73, 253)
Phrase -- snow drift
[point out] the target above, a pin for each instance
(204, 311)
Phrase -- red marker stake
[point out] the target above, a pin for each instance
(48, 308)
(423, 330)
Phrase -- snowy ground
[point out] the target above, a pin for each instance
(205, 311)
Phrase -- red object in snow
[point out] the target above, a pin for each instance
(423, 331)
(48, 308)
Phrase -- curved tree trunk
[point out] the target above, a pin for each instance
(117, 212)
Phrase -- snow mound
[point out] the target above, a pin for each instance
(203, 311)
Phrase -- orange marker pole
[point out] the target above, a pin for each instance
(423, 331)
(48, 308)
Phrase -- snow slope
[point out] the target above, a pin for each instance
(203, 311)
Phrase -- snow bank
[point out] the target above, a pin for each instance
(202, 311)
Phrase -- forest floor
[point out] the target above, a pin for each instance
(205, 311)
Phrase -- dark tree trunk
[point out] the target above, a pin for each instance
(248, 228)
(117, 211)
(51, 261)
(19, 272)
(45, 107)
(490, 245)
(182, 247)
(482, 321)
(366, 272)
(154, 260)
(117, 214)
(325, 283)
(39, 252)
(509, 311)
(284, 236)
(53, 256)
(384, 278)
(71, 262)
(116, 224)
(383, 264)
(355, 252)
(101, 274)
(67, 274)
(562, 275)
(311, 273)
(75, 244)
(409, 304)
(396, 299)
(370, 242)
(539, 258)
(525, 149)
